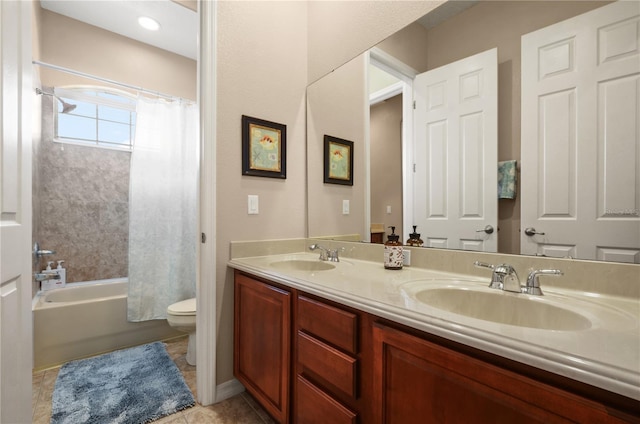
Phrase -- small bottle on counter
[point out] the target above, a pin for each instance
(414, 239)
(393, 257)
(62, 272)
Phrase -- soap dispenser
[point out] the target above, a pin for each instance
(51, 283)
(393, 257)
(63, 273)
(414, 238)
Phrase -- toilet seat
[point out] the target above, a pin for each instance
(185, 307)
(182, 316)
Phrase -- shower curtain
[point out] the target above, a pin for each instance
(162, 208)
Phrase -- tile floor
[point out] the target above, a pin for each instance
(241, 408)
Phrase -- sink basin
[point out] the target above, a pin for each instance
(504, 308)
(301, 265)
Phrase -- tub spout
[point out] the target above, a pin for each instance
(47, 276)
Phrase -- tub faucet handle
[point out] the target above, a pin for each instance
(41, 252)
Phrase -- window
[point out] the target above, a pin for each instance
(103, 117)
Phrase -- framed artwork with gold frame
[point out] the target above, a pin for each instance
(338, 161)
(264, 148)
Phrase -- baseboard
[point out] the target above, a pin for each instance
(228, 389)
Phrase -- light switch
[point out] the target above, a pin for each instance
(345, 207)
(388, 208)
(252, 204)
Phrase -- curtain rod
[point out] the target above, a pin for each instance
(109, 81)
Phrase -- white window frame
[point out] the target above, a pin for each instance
(86, 94)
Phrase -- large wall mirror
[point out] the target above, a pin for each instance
(340, 105)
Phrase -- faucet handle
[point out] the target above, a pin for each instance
(533, 282)
(479, 264)
(324, 253)
(333, 254)
(497, 278)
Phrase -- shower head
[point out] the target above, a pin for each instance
(66, 107)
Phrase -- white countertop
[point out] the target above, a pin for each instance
(605, 355)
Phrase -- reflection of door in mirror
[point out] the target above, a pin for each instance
(580, 145)
(452, 168)
(456, 153)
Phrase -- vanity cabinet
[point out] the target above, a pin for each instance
(418, 381)
(262, 343)
(309, 360)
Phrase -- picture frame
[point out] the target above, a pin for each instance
(264, 148)
(338, 161)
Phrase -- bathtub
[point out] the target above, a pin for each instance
(86, 319)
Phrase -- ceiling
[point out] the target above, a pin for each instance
(444, 12)
(178, 24)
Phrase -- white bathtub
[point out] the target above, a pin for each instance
(86, 319)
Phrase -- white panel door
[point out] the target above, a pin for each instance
(15, 206)
(456, 154)
(581, 136)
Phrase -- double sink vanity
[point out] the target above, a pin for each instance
(348, 341)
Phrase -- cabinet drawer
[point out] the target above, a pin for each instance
(329, 323)
(313, 406)
(330, 365)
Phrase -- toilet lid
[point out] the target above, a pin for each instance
(185, 307)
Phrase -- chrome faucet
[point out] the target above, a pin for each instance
(327, 254)
(533, 283)
(504, 277)
(510, 279)
(44, 276)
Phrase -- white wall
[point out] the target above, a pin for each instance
(262, 72)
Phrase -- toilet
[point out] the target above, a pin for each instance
(182, 316)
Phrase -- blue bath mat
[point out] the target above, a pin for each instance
(132, 386)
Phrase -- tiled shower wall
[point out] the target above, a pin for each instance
(81, 205)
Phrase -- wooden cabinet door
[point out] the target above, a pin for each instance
(262, 343)
(416, 381)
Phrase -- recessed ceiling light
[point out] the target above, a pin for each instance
(148, 23)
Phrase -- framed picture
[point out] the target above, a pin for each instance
(264, 148)
(338, 161)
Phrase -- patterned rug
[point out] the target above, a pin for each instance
(132, 386)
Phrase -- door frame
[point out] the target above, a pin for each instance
(206, 287)
(406, 74)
